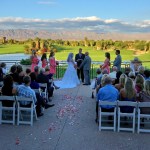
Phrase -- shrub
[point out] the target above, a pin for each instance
(25, 61)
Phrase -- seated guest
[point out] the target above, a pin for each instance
(131, 75)
(107, 93)
(147, 74)
(4, 68)
(139, 83)
(36, 70)
(20, 73)
(26, 91)
(8, 89)
(128, 93)
(113, 74)
(121, 83)
(42, 78)
(144, 96)
(127, 70)
(141, 70)
(14, 74)
(1, 74)
(34, 84)
(50, 77)
(28, 71)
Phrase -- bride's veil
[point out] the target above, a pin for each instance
(70, 57)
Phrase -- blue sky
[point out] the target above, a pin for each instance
(91, 15)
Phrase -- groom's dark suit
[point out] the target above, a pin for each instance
(79, 59)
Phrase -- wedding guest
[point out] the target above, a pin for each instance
(52, 63)
(8, 90)
(118, 60)
(36, 70)
(28, 71)
(106, 64)
(44, 60)
(14, 74)
(135, 64)
(42, 78)
(50, 77)
(131, 75)
(139, 83)
(34, 60)
(86, 64)
(144, 96)
(147, 74)
(121, 83)
(128, 93)
(1, 75)
(20, 73)
(107, 93)
(4, 68)
(113, 73)
(79, 59)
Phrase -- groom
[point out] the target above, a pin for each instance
(79, 59)
(86, 64)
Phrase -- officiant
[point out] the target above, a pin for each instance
(79, 59)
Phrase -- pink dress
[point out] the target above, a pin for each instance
(52, 63)
(106, 65)
(35, 62)
(44, 63)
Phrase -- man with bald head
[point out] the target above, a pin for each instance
(86, 64)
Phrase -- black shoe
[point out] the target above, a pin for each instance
(40, 114)
(48, 105)
(85, 84)
(56, 87)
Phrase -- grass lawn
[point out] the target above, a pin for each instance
(63, 51)
(11, 48)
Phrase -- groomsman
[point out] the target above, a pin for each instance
(86, 64)
(118, 60)
(79, 59)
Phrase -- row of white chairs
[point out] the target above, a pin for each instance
(8, 114)
(136, 117)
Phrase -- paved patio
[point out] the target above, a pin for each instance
(69, 125)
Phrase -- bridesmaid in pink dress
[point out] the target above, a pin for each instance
(106, 65)
(34, 60)
(52, 63)
(44, 60)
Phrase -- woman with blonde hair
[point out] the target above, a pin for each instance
(128, 93)
(144, 96)
(139, 83)
(121, 83)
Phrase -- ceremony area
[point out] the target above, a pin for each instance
(69, 125)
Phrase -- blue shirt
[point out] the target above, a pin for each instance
(26, 91)
(108, 93)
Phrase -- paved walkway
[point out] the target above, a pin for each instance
(69, 125)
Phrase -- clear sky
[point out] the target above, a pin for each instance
(91, 15)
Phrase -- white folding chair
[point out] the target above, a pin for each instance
(7, 114)
(130, 117)
(145, 116)
(23, 110)
(107, 114)
(43, 87)
(37, 91)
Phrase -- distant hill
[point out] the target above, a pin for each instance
(22, 34)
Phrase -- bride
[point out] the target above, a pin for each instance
(70, 78)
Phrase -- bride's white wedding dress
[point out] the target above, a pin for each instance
(70, 78)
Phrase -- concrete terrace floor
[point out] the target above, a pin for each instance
(69, 125)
